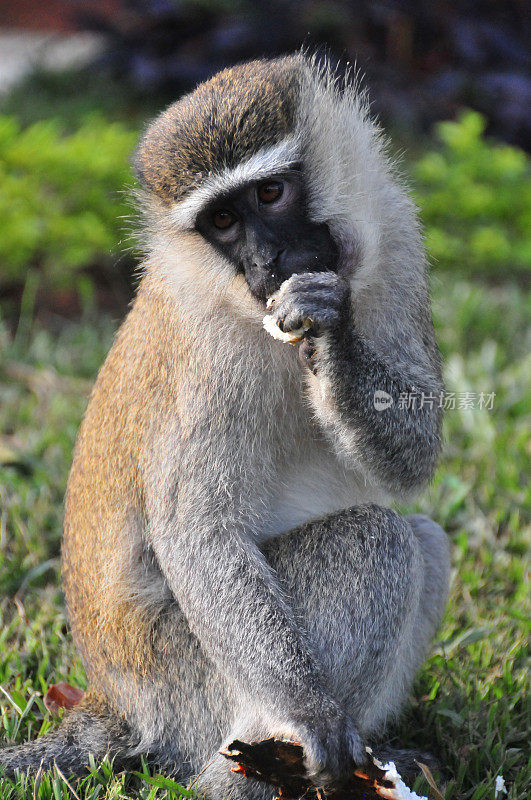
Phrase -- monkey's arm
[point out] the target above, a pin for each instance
(397, 443)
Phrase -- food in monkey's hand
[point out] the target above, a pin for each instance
(281, 764)
(291, 337)
(272, 327)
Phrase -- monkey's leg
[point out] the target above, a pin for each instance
(369, 588)
(92, 727)
(367, 591)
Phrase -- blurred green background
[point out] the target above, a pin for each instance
(67, 261)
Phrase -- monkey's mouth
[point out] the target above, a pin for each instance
(263, 286)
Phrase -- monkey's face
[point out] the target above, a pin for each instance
(266, 233)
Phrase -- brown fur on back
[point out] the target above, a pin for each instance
(136, 387)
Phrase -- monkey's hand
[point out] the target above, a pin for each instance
(307, 305)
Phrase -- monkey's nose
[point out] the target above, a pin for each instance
(272, 263)
(280, 261)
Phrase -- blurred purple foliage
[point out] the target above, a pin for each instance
(422, 60)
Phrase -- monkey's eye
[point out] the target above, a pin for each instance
(270, 192)
(223, 219)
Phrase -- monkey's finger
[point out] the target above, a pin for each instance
(311, 301)
(307, 353)
(298, 322)
(291, 336)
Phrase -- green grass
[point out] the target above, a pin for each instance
(469, 704)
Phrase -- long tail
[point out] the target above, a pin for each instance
(92, 727)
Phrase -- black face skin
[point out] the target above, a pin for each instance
(265, 231)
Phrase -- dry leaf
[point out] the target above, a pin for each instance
(431, 780)
(62, 695)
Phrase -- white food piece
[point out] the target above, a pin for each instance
(271, 300)
(291, 337)
(401, 791)
(499, 787)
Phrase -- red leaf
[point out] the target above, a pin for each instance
(62, 695)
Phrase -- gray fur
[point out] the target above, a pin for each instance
(230, 498)
(92, 728)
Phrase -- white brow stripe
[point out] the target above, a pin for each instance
(266, 162)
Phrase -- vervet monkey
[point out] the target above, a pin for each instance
(230, 566)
